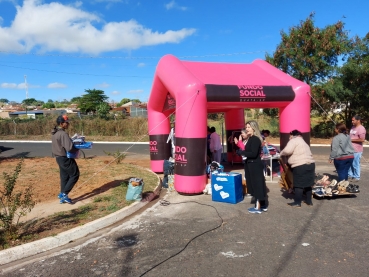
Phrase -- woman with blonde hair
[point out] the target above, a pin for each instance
(254, 167)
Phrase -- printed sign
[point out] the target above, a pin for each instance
(190, 156)
(159, 148)
(249, 93)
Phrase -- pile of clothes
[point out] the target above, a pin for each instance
(326, 187)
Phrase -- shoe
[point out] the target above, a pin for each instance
(319, 192)
(309, 204)
(65, 199)
(354, 180)
(60, 195)
(294, 204)
(333, 183)
(254, 211)
(248, 195)
(264, 208)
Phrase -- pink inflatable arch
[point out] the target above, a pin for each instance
(194, 89)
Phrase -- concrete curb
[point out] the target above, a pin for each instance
(43, 245)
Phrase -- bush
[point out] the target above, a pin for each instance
(14, 205)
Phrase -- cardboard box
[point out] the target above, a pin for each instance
(227, 187)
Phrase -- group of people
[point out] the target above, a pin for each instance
(347, 149)
(346, 152)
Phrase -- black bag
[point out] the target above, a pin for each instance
(168, 169)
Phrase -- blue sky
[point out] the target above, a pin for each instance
(65, 47)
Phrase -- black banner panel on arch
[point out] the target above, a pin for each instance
(190, 156)
(159, 148)
(249, 93)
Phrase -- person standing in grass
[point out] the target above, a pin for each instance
(357, 134)
(69, 171)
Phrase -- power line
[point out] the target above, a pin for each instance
(137, 58)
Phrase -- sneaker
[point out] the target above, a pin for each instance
(320, 192)
(264, 208)
(65, 199)
(355, 180)
(254, 211)
(60, 195)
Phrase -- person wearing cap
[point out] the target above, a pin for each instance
(357, 135)
(61, 143)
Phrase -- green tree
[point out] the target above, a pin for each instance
(103, 110)
(90, 101)
(308, 53)
(48, 105)
(355, 77)
(350, 86)
(29, 102)
(4, 100)
(123, 101)
(136, 100)
(75, 99)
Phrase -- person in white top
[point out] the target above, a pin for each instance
(215, 145)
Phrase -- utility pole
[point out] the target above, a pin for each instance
(25, 82)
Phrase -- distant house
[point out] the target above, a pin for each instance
(133, 109)
(35, 113)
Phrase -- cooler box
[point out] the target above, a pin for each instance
(227, 187)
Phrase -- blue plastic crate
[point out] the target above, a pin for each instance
(227, 187)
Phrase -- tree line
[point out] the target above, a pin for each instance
(335, 66)
(94, 101)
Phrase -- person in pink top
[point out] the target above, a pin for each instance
(357, 135)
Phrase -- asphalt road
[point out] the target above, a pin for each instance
(43, 149)
(195, 236)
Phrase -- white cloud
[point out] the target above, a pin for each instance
(135, 91)
(56, 85)
(18, 86)
(103, 85)
(8, 85)
(141, 65)
(173, 5)
(57, 27)
(115, 92)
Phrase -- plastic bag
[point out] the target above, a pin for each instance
(74, 155)
(134, 191)
(170, 182)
